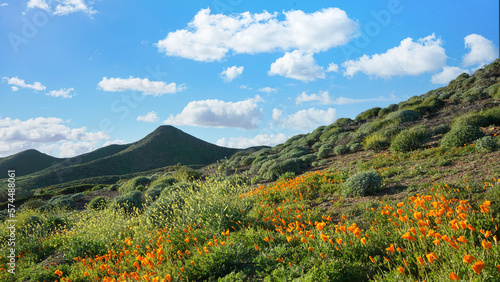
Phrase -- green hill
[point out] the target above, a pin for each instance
(163, 147)
(27, 162)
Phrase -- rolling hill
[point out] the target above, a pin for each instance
(163, 147)
(27, 162)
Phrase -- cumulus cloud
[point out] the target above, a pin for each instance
(409, 58)
(149, 117)
(268, 90)
(62, 7)
(448, 73)
(63, 93)
(228, 74)
(17, 82)
(258, 140)
(482, 51)
(297, 65)
(323, 98)
(210, 37)
(332, 67)
(46, 134)
(147, 87)
(4, 4)
(305, 119)
(215, 113)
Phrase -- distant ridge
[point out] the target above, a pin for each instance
(27, 162)
(163, 147)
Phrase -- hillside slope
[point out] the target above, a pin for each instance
(163, 147)
(27, 162)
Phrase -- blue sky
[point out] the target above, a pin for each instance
(76, 75)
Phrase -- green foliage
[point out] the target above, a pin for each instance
(307, 160)
(492, 115)
(354, 146)
(154, 192)
(255, 180)
(361, 184)
(186, 174)
(402, 116)
(370, 127)
(77, 197)
(458, 136)
(278, 168)
(487, 144)
(410, 139)
(329, 132)
(373, 112)
(32, 204)
(113, 187)
(98, 187)
(132, 184)
(474, 94)
(287, 175)
(293, 152)
(129, 202)
(340, 150)
(376, 142)
(324, 151)
(59, 202)
(98, 203)
(470, 120)
(441, 129)
(493, 90)
(384, 111)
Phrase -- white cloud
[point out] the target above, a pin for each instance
(209, 37)
(114, 142)
(245, 86)
(482, 51)
(258, 140)
(332, 67)
(305, 119)
(144, 85)
(4, 4)
(268, 90)
(63, 92)
(149, 117)
(323, 98)
(448, 73)
(215, 113)
(297, 65)
(17, 82)
(62, 7)
(228, 74)
(46, 134)
(409, 58)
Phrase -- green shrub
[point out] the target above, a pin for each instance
(247, 160)
(154, 193)
(166, 180)
(161, 211)
(487, 143)
(370, 127)
(132, 184)
(493, 90)
(474, 94)
(278, 168)
(59, 202)
(293, 152)
(410, 139)
(77, 197)
(140, 188)
(492, 115)
(98, 203)
(376, 142)
(373, 112)
(32, 204)
(340, 150)
(354, 146)
(308, 159)
(129, 202)
(98, 187)
(458, 136)
(329, 132)
(324, 151)
(238, 180)
(441, 129)
(402, 116)
(470, 120)
(113, 187)
(186, 174)
(255, 180)
(361, 184)
(287, 175)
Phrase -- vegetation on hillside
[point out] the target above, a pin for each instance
(410, 192)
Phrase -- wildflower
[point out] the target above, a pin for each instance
(462, 239)
(401, 270)
(363, 240)
(339, 241)
(454, 277)
(390, 249)
(431, 257)
(408, 236)
(256, 247)
(322, 255)
(86, 273)
(478, 266)
(311, 249)
(420, 260)
(371, 259)
(400, 250)
(182, 269)
(486, 245)
(58, 272)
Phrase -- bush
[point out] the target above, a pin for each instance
(354, 146)
(32, 204)
(493, 90)
(329, 132)
(487, 143)
(361, 184)
(492, 115)
(154, 192)
(308, 159)
(470, 120)
(132, 184)
(77, 197)
(59, 202)
(278, 168)
(340, 150)
(373, 112)
(376, 142)
(98, 203)
(113, 187)
(402, 116)
(129, 202)
(410, 139)
(458, 136)
(324, 151)
(441, 129)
